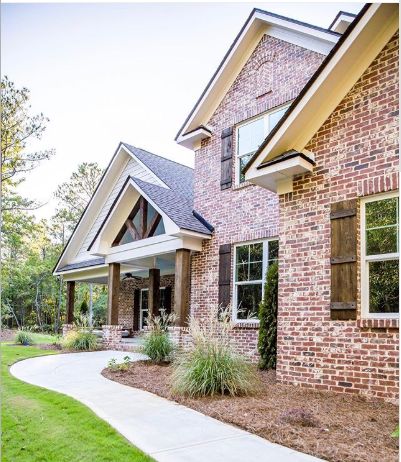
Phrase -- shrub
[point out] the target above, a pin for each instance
(114, 366)
(80, 341)
(211, 366)
(158, 345)
(24, 338)
(267, 342)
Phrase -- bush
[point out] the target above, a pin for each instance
(158, 345)
(267, 342)
(114, 366)
(80, 341)
(24, 338)
(211, 365)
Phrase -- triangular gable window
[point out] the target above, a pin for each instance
(143, 222)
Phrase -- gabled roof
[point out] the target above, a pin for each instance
(258, 23)
(177, 181)
(358, 47)
(175, 206)
(178, 177)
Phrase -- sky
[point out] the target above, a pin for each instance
(110, 72)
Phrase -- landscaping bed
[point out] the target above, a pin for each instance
(333, 426)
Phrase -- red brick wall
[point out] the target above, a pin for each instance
(356, 155)
(126, 299)
(248, 212)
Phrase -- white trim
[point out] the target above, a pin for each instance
(352, 58)
(140, 305)
(365, 259)
(265, 258)
(266, 130)
(257, 25)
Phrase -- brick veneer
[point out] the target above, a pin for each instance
(247, 212)
(68, 328)
(126, 300)
(356, 155)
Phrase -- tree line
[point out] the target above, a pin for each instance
(31, 297)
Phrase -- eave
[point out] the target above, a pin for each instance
(258, 23)
(359, 46)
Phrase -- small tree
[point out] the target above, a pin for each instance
(267, 343)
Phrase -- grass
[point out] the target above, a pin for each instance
(40, 425)
(43, 338)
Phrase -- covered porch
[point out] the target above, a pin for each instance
(137, 288)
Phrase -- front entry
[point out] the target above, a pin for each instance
(165, 304)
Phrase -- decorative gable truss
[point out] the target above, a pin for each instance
(143, 222)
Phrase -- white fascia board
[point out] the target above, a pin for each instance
(332, 85)
(116, 166)
(163, 245)
(188, 233)
(193, 139)
(81, 273)
(159, 181)
(258, 25)
(102, 244)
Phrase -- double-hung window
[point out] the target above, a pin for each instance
(251, 261)
(250, 136)
(380, 256)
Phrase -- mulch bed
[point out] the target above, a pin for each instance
(333, 426)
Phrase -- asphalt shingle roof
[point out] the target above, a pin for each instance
(83, 264)
(175, 206)
(178, 177)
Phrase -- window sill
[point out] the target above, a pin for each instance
(244, 185)
(246, 324)
(383, 323)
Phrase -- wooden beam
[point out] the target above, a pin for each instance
(153, 225)
(113, 293)
(154, 292)
(70, 302)
(182, 285)
(132, 229)
(144, 217)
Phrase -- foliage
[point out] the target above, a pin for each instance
(396, 432)
(80, 341)
(267, 342)
(211, 366)
(42, 425)
(24, 338)
(114, 366)
(158, 345)
(84, 308)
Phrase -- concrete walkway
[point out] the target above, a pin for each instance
(167, 431)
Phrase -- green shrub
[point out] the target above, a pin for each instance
(158, 345)
(267, 342)
(114, 366)
(211, 366)
(24, 338)
(80, 341)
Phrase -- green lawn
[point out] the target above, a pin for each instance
(43, 338)
(44, 426)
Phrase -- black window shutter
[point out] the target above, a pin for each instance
(224, 275)
(226, 158)
(343, 260)
(137, 298)
(167, 299)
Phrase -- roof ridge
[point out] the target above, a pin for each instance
(156, 155)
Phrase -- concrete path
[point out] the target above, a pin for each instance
(167, 431)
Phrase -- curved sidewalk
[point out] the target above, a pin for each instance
(167, 431)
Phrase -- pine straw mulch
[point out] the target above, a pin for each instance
(334, 426)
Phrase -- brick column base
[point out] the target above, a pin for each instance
(112, 336)
(68, 328)
(180, 337)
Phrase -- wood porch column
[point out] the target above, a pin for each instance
(113, 295)
(154, 292)
(182, 285)
(70, 302)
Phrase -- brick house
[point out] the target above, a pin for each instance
(296, 161)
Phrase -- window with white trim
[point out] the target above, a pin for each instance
(251, 261)
(250, 136)
(380, 256)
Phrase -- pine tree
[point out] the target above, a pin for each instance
(267, 342)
